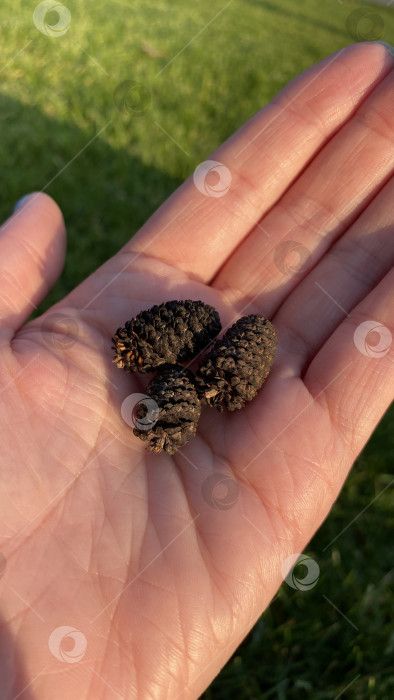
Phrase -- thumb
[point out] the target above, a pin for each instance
(32, 254)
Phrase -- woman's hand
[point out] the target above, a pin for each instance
(160, 573)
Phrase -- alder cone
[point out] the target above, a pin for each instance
(173, 332)
(236, 367)
(179, 407)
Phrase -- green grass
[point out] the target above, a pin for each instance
(56, 94)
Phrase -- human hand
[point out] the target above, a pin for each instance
(127, 547)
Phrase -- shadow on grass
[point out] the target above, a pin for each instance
(298, 17)
(360, 22)
(105, 194)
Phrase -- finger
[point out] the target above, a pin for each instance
(353, 374)
(196, 232)
(32, 251)
(318, 208)
(346, 275)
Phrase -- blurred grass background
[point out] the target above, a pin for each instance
(74, 123)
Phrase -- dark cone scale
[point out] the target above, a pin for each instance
(235, 369)
(179, 409)
(171, 333)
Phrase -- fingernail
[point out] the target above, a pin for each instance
(388, 46)
(20, 202)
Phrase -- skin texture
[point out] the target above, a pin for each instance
(127, 547)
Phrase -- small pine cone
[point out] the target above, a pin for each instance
(179, 409)
(171, 333)
(235, 369)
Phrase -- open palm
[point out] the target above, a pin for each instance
(130, 574)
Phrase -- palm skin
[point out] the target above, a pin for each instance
(160, 574)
